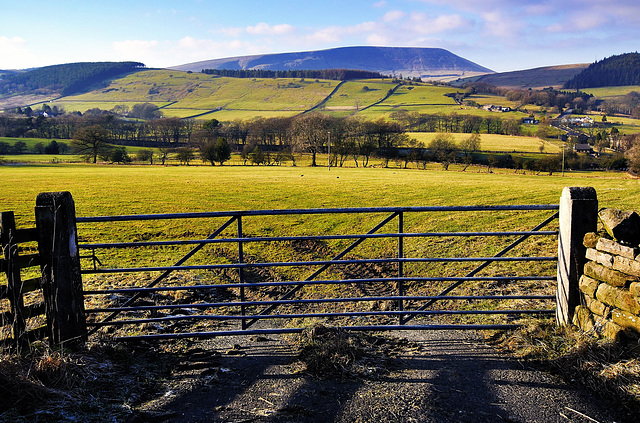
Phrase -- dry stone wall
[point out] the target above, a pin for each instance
(609, 289)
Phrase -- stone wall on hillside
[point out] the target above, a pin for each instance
(609, 289)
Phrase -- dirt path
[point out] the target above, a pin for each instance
(437, 377)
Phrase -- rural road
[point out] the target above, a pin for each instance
(448, 376)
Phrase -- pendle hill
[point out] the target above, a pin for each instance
(425, 63)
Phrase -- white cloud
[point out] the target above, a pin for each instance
(185, 50)
(447, 23)
(335, 34)
(266, 29)
(331, 34)
(540, 9)
(499, 25)
(393, 15)
(424, 24)
(361, 28)
(380, 4)
(133, 48)
(189, 43)
(233, 32)
(377, 40)
(15, 54)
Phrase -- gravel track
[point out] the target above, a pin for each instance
(450, 376)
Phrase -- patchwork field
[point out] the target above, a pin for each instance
(496, 143)
(182, 91)
(408, 95)
(354, 95)
(607, 92)
(183, 95)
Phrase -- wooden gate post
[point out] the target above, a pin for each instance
(14, 282)
(61, 278)
(578, 216)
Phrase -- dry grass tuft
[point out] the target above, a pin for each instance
(330, 352)
(610, 369)
(102, 383)
(39, 377)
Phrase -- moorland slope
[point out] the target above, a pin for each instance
(537, 78)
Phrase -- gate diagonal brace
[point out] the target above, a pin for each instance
(166, 273)
(315, 274)
(481, 267)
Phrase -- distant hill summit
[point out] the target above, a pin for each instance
(538, 78)
(623, 69)
(426, 63)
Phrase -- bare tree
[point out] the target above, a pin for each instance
(311, 131)
(444, 149)
(90, 142)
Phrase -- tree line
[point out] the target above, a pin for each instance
(68, 78)
(274, 141)
(622, 69)
(333, 74)
(151, 129)
(458, 123)
(547, 97)
(311, 133)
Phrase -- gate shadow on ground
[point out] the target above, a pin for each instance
(448, 380)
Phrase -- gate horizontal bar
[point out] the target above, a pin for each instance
(312, 263)
(318, 282)
(313, 211)
(373, 328)
(309, 238)
(314, 315)
(319, 301)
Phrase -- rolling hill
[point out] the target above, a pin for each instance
(200, 96)
(66, 79)
(537, 78)
(619, 70)
(426, 63)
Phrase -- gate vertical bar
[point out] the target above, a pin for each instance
(14, 280)
(241, 271)
(578, 216)
(400, 263)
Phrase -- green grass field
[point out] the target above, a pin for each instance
(71, 104)
(605, 92)
(354, 95)
(200, 92)
(30, 142)
(182, 94)
(385, 110)
(120, 190)
(491, 99)
(408, 95)
(493, 142)
(113, 189)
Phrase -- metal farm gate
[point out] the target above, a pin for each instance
(384, 268)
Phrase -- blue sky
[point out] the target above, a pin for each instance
(502, 35)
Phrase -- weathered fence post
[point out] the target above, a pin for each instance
(578, 216)
(14, 281)
(61, 278)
